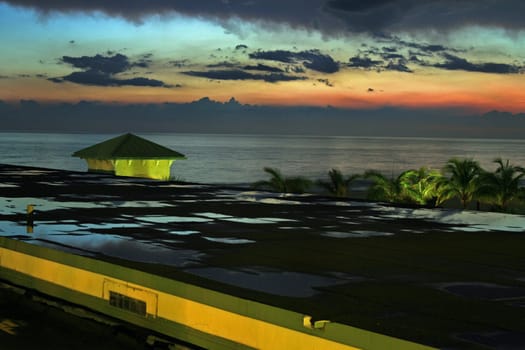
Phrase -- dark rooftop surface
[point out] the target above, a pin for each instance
(450, 279)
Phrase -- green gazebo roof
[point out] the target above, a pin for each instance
(127, 146)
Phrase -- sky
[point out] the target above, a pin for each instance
(458, 56)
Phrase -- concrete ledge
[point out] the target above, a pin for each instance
(193, 314)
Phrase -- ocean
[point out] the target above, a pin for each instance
(239, 159)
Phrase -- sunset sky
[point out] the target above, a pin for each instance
(464, 54)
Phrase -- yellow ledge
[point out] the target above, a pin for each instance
(247, 332)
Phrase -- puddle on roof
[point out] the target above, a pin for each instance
(84, 196)
(26, 172)
(182, 232)
(243, 220)
(9, 185)
(213, 215)
(339, 203)
(264, 197)
(75, 238)
(483, 290)
(181, 186)
(372, 217)
(471, 228)
(295, 228)
(275, 220)
(161, 219)
(129, 249)
(172, 241)
(487, 227)
(47, 183)
(356, 234)
(362, 204)
(87, 175)
(10, 228)
(411, 231)
(471, 221)
(141, 204)
(229, 240)
(247, 220)
(9, 206)
(285, 283)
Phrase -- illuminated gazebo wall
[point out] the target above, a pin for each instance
(130, 155)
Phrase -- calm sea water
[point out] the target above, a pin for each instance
(239, 159)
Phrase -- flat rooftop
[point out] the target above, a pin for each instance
(444, 278)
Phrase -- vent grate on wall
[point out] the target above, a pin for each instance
(124, 302)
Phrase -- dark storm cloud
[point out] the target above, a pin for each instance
(92, 77)
(414, 59)
(424, 48)
(398, 65)
(311, 59)
(377, 16)
(276, 55)
(223, 64)
(427, 49)
(109, 65)
(425, 55)
(295, 69)
(389, 49)
(330, 17)
(356, 6)
(395, 63)
(241, 47)
(363, 62)
(179, 63)
(392, 56)
(264, 68)
(457, 63)
(100, 70)
(237, 74)
(144, 62)
(314, 60)
(297, 13)
(430, 48)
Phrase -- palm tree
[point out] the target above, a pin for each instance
(419, 185)
(384, 188)
(279, 183)
(463, 182)
(338, 184)
(503, 185)
(411, 186)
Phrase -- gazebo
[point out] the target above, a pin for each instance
(130, 155)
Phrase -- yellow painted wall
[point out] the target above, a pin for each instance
(202, 316)
(104, 165)
(158, 169)
(148, 168)
(205, 318)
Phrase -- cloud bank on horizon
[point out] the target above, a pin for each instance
(359, 54)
